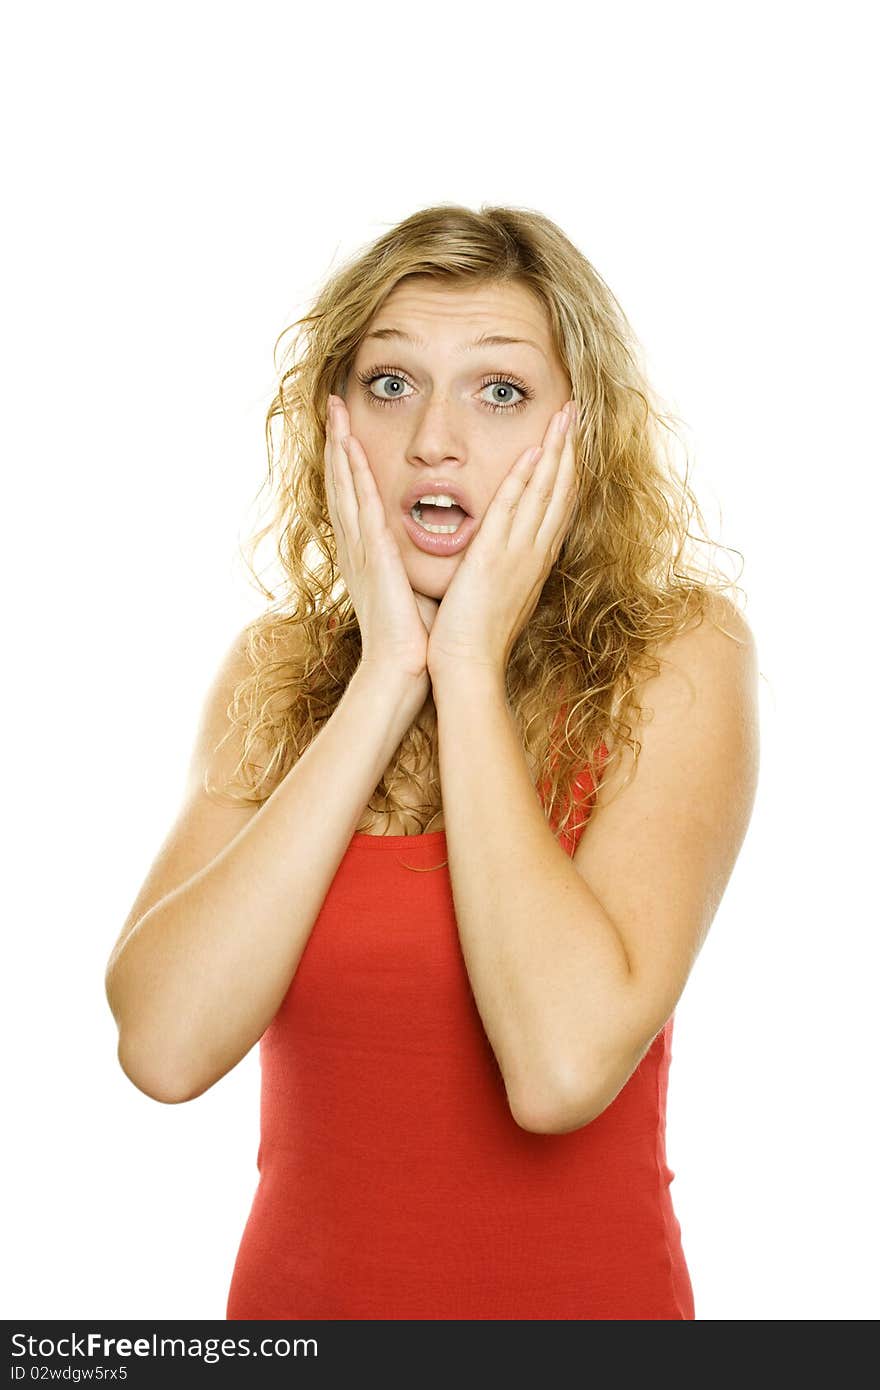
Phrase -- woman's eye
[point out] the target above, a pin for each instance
(387, 376)
(507, 403)
(396, 391)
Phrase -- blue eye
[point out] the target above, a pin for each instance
(367, 378)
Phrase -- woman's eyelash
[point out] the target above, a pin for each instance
(367, 378)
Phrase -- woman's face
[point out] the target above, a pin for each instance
(439, 408)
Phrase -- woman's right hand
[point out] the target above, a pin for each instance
(394, 619)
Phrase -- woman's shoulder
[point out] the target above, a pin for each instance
(716, 643)
(717, 626)
(249, 656)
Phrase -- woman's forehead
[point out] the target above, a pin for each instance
(510, 310)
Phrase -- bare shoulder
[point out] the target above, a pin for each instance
(713, 662)
(219, 739)
(218, 744)
(723, 631)
(716, 651)
(719, 637)
(206, 823)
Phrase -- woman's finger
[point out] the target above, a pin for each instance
(332, 509)
(498, 520)
(556, 524)
(340, 475)
(539, 511)
(554, 520)
(372, 519)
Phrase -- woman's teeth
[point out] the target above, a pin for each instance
(435, 530)
(437, 503)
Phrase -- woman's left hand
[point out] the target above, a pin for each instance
(496, 588)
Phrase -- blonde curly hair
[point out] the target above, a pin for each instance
(624, 582)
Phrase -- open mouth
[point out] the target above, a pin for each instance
(439, 525)
(440, 515)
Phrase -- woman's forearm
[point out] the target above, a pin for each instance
(199, 978)
(548, 969)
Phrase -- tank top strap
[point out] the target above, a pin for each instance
(581, 792)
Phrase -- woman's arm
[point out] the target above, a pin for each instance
(576, 964)
(198, 978)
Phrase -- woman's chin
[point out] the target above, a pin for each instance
(430, 575)
(430, 586)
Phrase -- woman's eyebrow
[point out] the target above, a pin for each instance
(484, 340)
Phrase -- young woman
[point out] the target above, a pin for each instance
(462, 806)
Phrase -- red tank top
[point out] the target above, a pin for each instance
(394, 1182)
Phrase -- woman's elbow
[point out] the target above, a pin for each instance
(164, 1085)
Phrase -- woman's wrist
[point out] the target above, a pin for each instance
(390, 682)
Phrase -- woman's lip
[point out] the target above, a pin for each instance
(449, 544)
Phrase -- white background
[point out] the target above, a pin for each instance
(179, 180)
